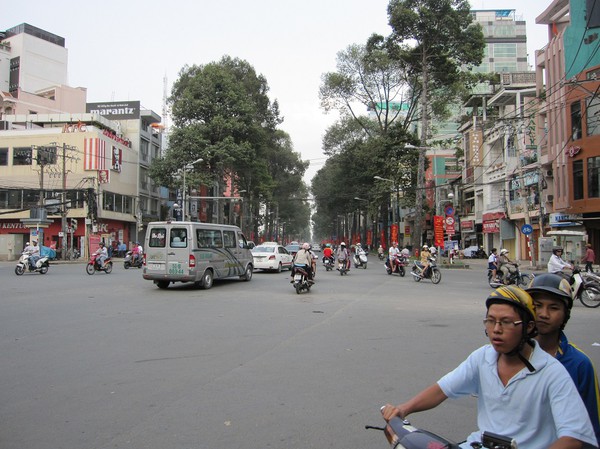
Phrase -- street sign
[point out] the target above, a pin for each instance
(449, 210)
(526, 229)
(450, 220)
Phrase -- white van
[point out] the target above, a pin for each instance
(183, 251)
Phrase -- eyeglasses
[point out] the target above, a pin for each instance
(505, 324)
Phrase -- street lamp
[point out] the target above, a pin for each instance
(187, 167)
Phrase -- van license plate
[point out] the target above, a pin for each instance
(156, 266)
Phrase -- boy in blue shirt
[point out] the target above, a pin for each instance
(553, 301)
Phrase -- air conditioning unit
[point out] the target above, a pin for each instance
(549, 198)
(549, 173)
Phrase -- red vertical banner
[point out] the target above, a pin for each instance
(394, 232)
(438, 230)
(369, 237)
(382, 238)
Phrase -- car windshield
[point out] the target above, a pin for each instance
(263, 249)
(292, 247)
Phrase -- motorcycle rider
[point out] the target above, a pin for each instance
(102, 254)
(425, 255)
(305, 257)
(34, 252)
(522, 391)
(556, 264)
(505, 265)
(553, 300)
(380, 252)
(342, 255)
(359, 251)
(328, 253)
(393, 254)
(493, 263)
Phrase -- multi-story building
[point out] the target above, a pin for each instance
(86, 164)
(567, 125)
(87, 172)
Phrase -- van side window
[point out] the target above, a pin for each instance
(242, 240)
(229, 238)
(178, 238)
(208, 238)
(157, 238)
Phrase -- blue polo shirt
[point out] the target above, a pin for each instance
(581, 369)
(535, 408)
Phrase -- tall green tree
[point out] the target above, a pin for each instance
(222, 113)
(445, 40)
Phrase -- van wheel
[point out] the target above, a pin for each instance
(207, 280)
(163, 284)
(247, 276)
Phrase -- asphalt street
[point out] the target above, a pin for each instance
(111, 361)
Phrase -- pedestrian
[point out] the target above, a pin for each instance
(589, 258)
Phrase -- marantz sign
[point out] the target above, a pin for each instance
(116, 110)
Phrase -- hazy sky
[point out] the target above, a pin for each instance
(122, 50)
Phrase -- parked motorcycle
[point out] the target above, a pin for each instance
(24, 264)
(397, 265)
(402, 435)
(328, 263)
(129, 261)
(432, 272)
(93, 265)
(585, 289)
(360, 258)
(301, 281)
(514, 277)
(342, 267)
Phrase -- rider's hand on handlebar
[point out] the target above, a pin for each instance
(389, 411)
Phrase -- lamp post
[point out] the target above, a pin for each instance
(187, 167)
(396, 207)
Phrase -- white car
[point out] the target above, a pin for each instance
(271, 256)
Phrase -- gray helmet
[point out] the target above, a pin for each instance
(556, 248)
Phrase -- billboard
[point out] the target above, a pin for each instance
(116, 110)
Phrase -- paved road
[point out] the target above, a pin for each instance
(110, 361)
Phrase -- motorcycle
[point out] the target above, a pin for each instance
(328, 263)
(24, 264)
(432, 272)
(381, 256)
(402, 435)
(585, 289)
(301, 281)
(131, 262)
(360, 259)
(514, 277)
(93, 265)
(399, 262)
(342, 267)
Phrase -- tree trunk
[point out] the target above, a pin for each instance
(418, 231)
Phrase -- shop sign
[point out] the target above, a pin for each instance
(558, 220)
(491, 226)
(12, 225)
(467, 225)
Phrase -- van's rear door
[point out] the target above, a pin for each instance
(156, 252)
(179, 262)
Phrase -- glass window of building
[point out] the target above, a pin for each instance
(505, 51)
(22, 156)
(593, 116)
(578, 180)
(576, 120)
(3, 156)
(593, 165)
